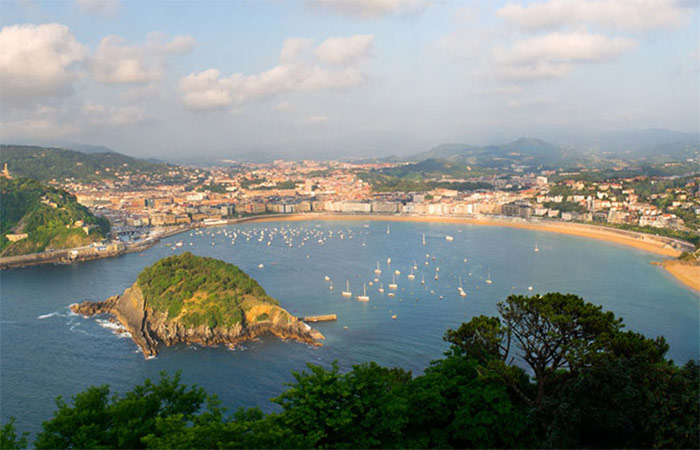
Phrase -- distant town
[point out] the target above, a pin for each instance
(138, 204)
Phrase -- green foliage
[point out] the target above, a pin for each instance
(9, 439)
(98, 420)
(45, 164)
(212, 292)
(23, 211)
(360, 409)
(604, 387)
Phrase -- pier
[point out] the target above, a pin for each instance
(321, 318)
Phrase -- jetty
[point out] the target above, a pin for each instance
(321, 318)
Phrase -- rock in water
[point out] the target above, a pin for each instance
(195, 300)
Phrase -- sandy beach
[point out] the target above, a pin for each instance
(686, 274)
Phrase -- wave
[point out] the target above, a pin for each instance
(109, 325)
(53, 314)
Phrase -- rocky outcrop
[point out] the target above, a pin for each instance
(149, 328)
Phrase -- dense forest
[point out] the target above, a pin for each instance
(48, 215)
(214, 292)
(582, 381)
(45, 164)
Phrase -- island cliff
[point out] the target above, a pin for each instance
(196, 300)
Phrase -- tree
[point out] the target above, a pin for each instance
(96, 421)
(9, 439)
(549, 332)
(360, 409)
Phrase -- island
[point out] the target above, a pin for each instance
(192, 299)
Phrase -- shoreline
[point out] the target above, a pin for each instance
(657, 245)
(686, 273)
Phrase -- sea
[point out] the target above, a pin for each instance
(46, 351)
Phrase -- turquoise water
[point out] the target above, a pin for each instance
(45, 351)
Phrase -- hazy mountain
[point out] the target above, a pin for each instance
(85, 148)
(524, 151)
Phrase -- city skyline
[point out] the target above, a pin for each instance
(179, 79)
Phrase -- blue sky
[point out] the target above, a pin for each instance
(171, 78)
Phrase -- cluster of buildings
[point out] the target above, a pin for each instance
(335, 187)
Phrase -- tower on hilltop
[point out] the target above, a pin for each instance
(6, 172)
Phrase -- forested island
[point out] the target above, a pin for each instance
(197, 300)
(582, 381)
(35, 217)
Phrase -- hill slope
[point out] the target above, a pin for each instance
(51, 218)
(47, 163)
(197, 300)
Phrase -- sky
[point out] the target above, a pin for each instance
(166, 78)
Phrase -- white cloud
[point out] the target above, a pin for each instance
(38, 128)
(101, 115)
(38, 61)
(554, 55)
(578, 46)
(283, 106)
(206, 90)
(103, 7)
(637, 15)
(368, 9)
(315, 120)
(117, 62)
(209, 90)
(293, 47)
(344, 50)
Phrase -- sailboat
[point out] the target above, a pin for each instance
(346, 292)
(488, 279)
(422, 279)
(330, 286)
(423, 238)
(364, 297)
(415, 265)
(388, 260)
(393, 284)
(377, 270)
(388, 231)
(461, 289)
(411, 276)
(449, 238)
(381, 288)
(537, 249)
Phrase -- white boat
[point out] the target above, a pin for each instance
(397, 272)
(393, 316)
(388, 260)
(422, 279)
(381, 288)
(178, 244)
(377, 270)
(261, 265)
(436, 275)
(330, 286)
(415, 265)
(393, 284)
(391, 294)
(411, 276)
(529, 288)
(364, 297)
(327, 278)
(488, 279)
(449, 238)
(388, 230)
(423, 238)
(461, 289)
(537, 249)
(346, 292)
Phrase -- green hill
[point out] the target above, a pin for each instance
(196, 290)
(46, 163)
(525, 151)
(51, 218)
